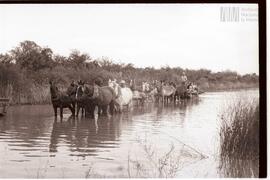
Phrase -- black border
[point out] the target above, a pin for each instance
(262, 54)
(263, 90)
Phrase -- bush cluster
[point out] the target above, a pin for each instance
(28, 68)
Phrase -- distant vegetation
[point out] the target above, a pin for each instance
(239, 140)
(27, 68)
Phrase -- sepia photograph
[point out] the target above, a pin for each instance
(129, 90)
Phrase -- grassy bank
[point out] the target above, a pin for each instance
(239, 140)
(28, 68)
(41, 94)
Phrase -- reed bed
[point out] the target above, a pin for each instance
(239, 139)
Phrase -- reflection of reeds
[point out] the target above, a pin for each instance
(239, 140)
(158, 164)
(152, 162)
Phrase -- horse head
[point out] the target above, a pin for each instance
(72, 89)
(54, 90)
(95, 91)
(80, 90)
(111, 83)
(159, 87)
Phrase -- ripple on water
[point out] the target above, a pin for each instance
(30, 137)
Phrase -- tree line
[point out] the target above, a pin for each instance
(26, 70)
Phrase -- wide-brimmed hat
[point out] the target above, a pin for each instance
(122, 82)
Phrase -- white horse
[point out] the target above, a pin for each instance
(124, 98)
(124, 95)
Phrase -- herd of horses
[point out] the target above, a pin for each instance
(110, 99)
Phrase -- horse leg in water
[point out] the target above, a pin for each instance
(116, 108)
(83, 111)
(128, 105)
(169, 98)
(61, 112)
(73, 105)
(55, 110)
(99, 110)
(91, 111)
(104, 109)
(176, 98)
(78, 109)
(120, 108)
(82, 107)
(112, 107)
(72, 109)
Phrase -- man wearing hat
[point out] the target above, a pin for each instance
(184, 78)
(122, 83)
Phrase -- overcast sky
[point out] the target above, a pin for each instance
(186, 35)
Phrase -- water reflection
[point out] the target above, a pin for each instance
(30, 136)
(85, 136)
(24, 129)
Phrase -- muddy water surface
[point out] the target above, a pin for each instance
(33, 144)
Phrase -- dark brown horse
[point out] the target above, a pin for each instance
(181, 93)
(71, 92)
(60, 100)
(80, 98)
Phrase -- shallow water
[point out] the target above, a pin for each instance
(33, 144)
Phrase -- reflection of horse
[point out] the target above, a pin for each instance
(60, 100)
(124, 98)
(85, 137)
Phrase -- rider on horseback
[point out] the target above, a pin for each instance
(184, 78)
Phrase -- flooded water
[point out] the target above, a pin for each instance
(179, 140)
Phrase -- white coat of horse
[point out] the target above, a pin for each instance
(125, 96)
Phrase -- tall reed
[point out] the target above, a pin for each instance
(239, 140)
